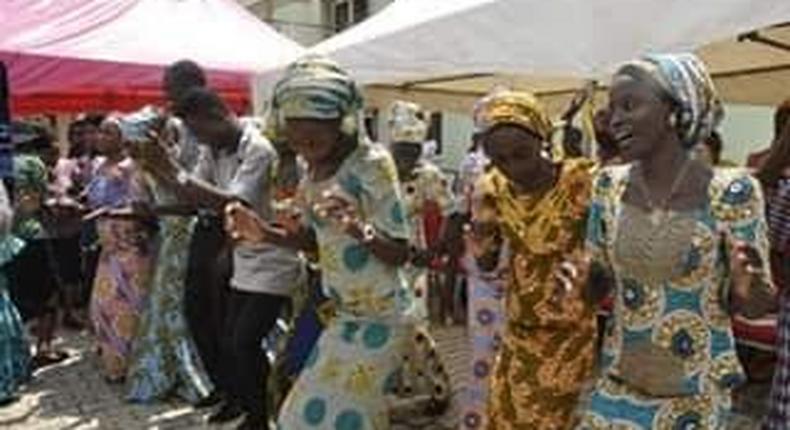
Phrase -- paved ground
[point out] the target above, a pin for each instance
(72, 395)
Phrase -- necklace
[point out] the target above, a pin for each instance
(658, 212)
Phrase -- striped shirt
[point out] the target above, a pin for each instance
(778, 214)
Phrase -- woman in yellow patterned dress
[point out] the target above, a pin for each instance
(540, 205)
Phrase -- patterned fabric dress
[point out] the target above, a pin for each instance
(486, 311)
(671, 295)
(546, 356)
(778, 201)
(165, 359)
(14, 345)
(120, 288)
(428, 193)
(357, 357)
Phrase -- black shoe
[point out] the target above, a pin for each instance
(10, 400)
(213, 399)
(252, 422)
(228, 412)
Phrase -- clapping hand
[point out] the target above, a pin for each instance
(154, 155)
(571, 276)
(243, 224)
(339, 210)
(750, 282)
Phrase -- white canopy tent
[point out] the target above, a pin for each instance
(446, 53)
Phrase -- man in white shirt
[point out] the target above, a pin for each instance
(237, 166)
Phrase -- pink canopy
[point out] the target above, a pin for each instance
(78, 55)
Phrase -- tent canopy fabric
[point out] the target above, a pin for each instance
(448, 53)
(73, 55)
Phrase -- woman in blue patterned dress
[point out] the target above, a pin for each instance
(354, 213)
(164, 358)
(686, 246)
(14, 344)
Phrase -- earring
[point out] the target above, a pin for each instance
(672, 120)
(545, 153)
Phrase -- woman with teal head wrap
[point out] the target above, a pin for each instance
(352, 217)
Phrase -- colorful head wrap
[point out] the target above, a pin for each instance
(30, 174)
(407, 123)
(315, 87)
(513, 107)
(684, 79)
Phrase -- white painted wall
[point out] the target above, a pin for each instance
(746, 129)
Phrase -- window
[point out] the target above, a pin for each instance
(348, 12)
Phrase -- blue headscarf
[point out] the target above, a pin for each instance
(684, 79)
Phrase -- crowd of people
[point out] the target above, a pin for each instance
(291, 272)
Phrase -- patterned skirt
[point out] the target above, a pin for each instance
(539, 378)
(347, 376)
(118, 298)
(165, 359)
(14, 345)
(779, 407)
(485, 332)
(614, 405)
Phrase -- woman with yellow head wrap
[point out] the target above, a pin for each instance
(539, 205)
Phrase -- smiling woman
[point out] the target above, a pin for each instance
(670, 230)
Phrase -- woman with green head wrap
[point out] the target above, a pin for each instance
(14, 345)
(353, 217)
(34, 286)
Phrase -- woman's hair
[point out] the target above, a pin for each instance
(778, 159)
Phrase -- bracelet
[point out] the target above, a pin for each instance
(368, 233)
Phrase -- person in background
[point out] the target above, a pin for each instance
(210, 252)
(122, 278)
(709, 152)
(755, 160)
(15, 360)
(236, 165)
(607, 151)
(34, 282)
(63, 213)
(164, 359)
(86, 153)
(538, 205)
(428, 201)
(774, 176)
(685, 247)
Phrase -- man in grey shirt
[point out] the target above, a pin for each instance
(238, 166)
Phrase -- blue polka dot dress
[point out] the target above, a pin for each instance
(356, 360)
